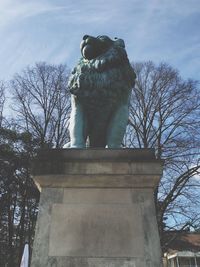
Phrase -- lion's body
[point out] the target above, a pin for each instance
(99, 87)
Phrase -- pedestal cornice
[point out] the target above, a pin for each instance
(105, 168)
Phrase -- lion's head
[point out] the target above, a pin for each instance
(103, 73)
(92, 47)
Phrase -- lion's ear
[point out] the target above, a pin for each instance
(120, 42)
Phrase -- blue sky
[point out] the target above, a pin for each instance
(51, 30)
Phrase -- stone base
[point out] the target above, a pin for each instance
(96, 208)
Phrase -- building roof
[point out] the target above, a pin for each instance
(182, 241)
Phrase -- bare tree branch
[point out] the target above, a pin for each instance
(165, 115)
(43, 103)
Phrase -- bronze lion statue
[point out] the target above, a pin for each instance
(100, 87)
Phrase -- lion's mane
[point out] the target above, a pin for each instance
(103, 82)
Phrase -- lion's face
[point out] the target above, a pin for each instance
(92, 47)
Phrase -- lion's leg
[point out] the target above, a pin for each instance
(117, 127)
(77, 126)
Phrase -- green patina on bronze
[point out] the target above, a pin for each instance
(100, 85)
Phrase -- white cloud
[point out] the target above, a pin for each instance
(14, 10)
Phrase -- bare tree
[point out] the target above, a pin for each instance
(2, 100)
(42, 102)
(164, 114)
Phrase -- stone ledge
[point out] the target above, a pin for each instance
(97, 153)
(97, 181)
(95, 161)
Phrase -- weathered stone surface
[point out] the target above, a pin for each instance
(150, 227)
(97, 196)
(41, 241)
(52, 161)
(97, 262)
(103, 230)
(103, 181)
(125, 154)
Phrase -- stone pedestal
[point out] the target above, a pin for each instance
(96, 208)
